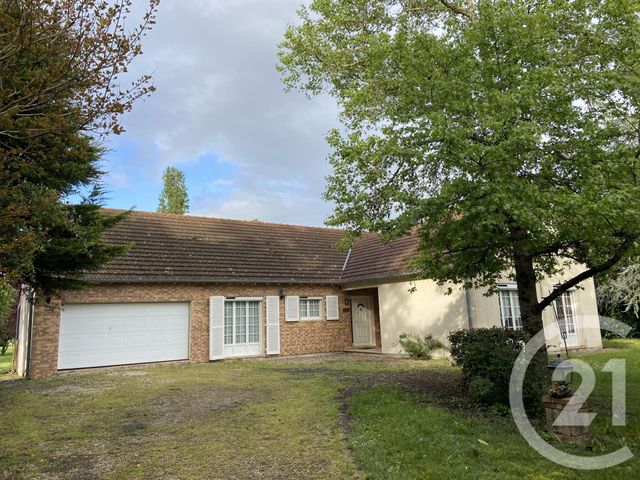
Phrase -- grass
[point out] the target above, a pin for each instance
(227, 421)
(399, 435)
(335, 417)
(6, 361)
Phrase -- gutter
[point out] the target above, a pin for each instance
(346, 260)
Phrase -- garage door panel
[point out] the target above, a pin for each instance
(93, 335)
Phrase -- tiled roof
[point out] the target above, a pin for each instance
(371, 259)
(185, 248)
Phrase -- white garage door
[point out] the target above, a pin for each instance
(96, 335)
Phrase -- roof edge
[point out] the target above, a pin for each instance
(205, 217)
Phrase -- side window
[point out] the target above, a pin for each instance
(310, 309)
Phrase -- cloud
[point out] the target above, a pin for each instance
(220, 99)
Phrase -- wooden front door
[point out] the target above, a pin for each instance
(362, 321)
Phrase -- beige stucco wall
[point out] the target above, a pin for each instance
(426, 310)
(485, 311)
(429, 310)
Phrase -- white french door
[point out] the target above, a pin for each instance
(241, 328)
(567, 319)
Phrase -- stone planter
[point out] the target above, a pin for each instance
(571, 406)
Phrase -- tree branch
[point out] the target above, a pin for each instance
(590, 272)
(458, 10)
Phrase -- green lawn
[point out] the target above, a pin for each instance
(6, 361)
(400, 435)
(328, 417)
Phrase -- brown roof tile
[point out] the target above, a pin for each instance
(185, 248)
(372, 259)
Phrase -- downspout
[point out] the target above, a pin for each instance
(30, 302)
(467, 299)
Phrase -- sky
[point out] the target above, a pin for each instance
(221, 115)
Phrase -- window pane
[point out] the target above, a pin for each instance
(515, 311)
(241, 322)
(569, 311)
(314, 308)
(254, 322)
(303, 308)
(228, 323)
(505, 308)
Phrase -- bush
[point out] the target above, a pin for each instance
(486, 357)
(419, 347)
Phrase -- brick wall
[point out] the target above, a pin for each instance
(295, 337)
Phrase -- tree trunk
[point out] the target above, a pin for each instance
(531, 315)
(530, 312)
(528, 294)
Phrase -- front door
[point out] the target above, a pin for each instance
(362, 322)
(567, 320)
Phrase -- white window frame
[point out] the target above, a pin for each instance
(305, 310)
(513, 307)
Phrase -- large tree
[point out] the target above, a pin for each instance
(174, 197)
(61, 91)
(505, 133)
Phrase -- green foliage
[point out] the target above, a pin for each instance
(60, 91)
(8, 297)
(486, 357)
(419, 347)
(503, 132)
(174, 197)
(75, 247)
(618, 295)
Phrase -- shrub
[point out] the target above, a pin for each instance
(419, 347)
(486, 357)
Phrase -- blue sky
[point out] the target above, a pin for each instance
(133, 181)
(220, 114)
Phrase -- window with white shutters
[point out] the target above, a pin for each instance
(310, 309)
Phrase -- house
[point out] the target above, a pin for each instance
(198, 289)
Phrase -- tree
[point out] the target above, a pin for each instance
(61, 91)
(504, 133)
(174, 197)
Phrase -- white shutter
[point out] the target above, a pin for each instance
(292, 308)
(273, 325)
(216, 328)
(332, 307)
